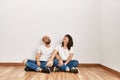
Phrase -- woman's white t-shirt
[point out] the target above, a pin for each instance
(64, 53)
(45, 52)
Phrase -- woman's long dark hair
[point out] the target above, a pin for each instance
(70, 43)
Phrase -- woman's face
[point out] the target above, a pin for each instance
(65, 39)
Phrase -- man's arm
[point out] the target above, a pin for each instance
(37, 57)
(53, 55)
(50, 60)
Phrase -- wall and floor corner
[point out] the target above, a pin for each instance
(94, 25)
(110, 33)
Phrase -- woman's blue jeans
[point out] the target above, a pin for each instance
(72, 63)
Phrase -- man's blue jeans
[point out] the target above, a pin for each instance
(32, 64)
(72, 63)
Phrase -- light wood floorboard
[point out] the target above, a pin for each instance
(86, 73)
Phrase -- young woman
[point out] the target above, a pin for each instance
(64, 54)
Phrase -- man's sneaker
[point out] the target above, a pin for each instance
(51, 69)
(28, 69)
(56, 69)
(74, 70)
(47, 70)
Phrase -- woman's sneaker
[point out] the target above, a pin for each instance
(73, 70)
(47, 70)
(56, 69)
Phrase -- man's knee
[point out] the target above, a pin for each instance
(25, 61)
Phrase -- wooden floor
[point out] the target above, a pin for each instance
(86, 73)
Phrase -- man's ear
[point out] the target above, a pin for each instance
(43, 39)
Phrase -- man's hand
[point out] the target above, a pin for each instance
(60, 63)
(38, 63)
(50, 63)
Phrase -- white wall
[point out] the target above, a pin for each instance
(24, 22)
(110, 33)
(94, 25)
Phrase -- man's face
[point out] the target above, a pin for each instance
(47, 40)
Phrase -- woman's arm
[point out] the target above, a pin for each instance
(58, 57)
(60, 61)
(69, 58)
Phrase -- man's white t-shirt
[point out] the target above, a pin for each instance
(64, 53)
(45, 52)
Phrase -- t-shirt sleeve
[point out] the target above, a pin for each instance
(38, 50)
(57, 47)
(71, 50)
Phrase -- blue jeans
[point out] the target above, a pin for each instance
(72, 63)
(32, 64)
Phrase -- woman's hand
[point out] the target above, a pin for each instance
(38, 63)
(65, 63)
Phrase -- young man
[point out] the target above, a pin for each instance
(41, 63)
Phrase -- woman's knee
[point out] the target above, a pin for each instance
(76, 63)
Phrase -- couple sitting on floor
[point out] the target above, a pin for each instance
(60, 58)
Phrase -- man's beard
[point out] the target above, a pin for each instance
(48, 42)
